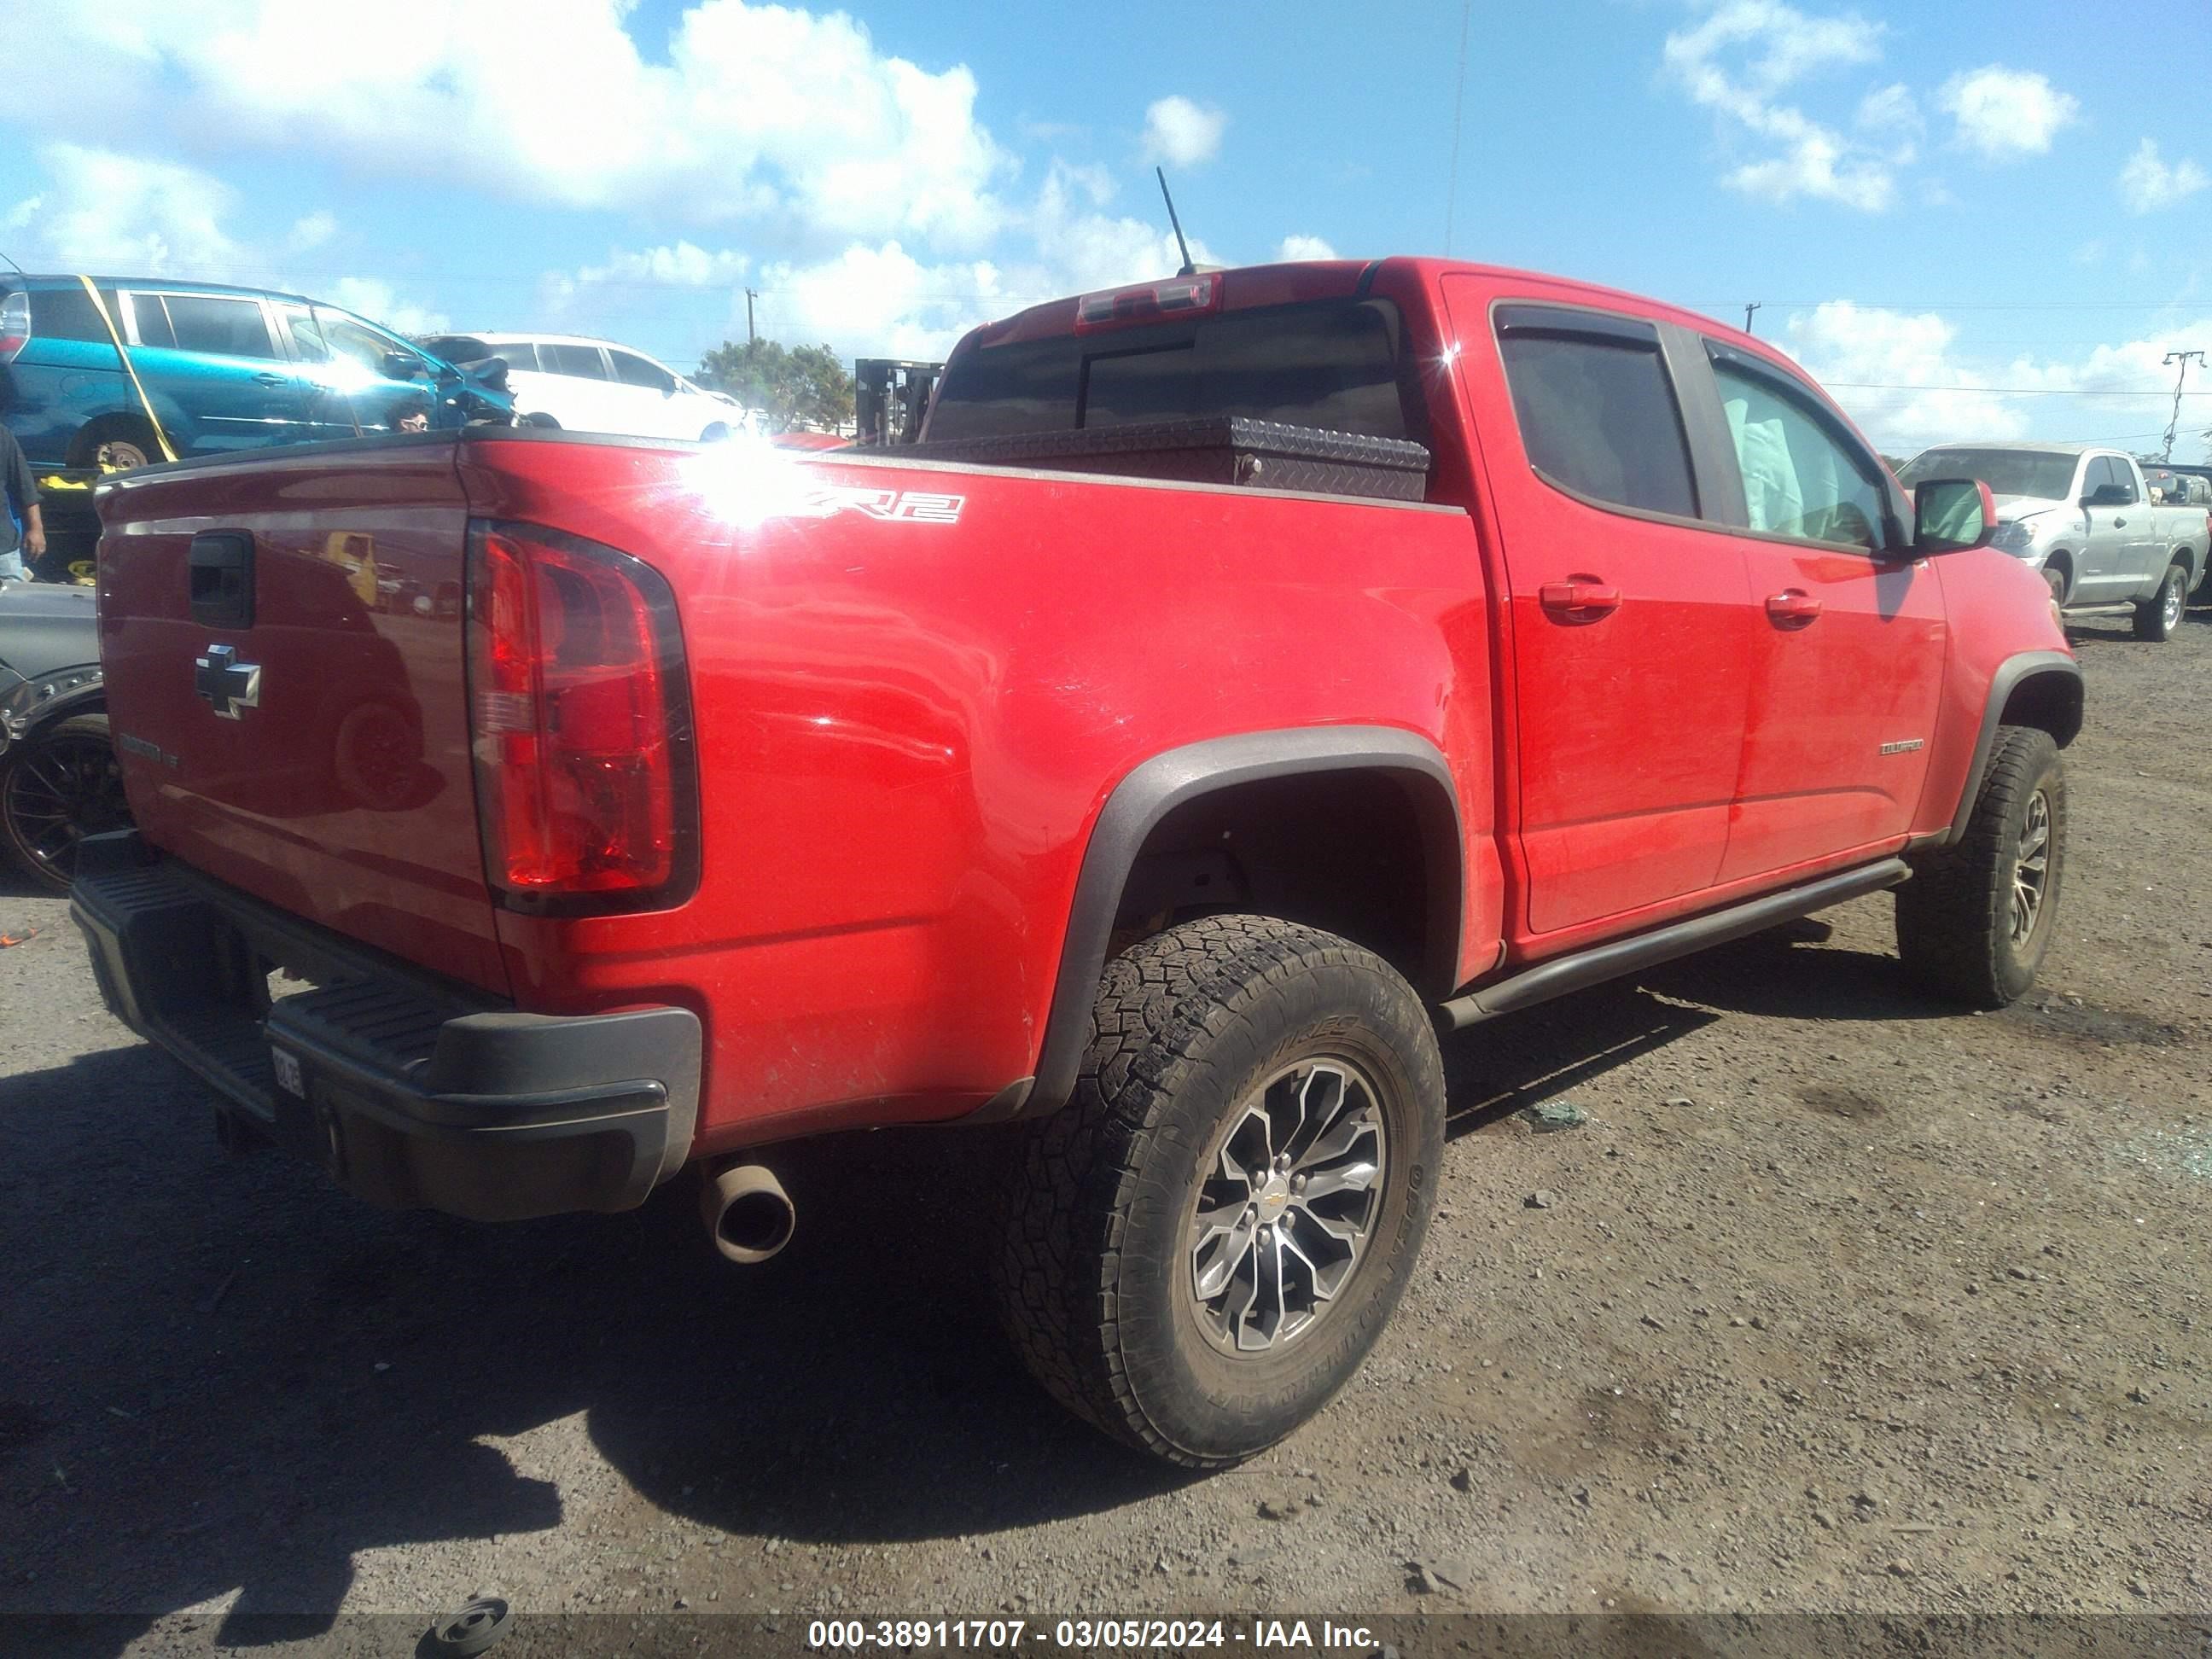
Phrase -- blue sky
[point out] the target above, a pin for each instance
(1971, 219)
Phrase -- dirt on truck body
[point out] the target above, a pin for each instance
(1245, 674)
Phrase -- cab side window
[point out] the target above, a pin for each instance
(1596, 409)
(582, 362)
(1799, 479)
(632, 370)
(2110, 484)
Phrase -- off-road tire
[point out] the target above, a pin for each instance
(1185, 1025)
(2158, 617)
(1954, 916)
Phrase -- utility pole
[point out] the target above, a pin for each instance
(2184, 358)
(751, 294)
(1747, 310)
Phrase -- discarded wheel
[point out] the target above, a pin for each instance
(472, 1628)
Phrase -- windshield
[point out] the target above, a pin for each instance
(2040, 473)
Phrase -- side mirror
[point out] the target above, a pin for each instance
(2105, 496)
(401, 366)
(1952, 515)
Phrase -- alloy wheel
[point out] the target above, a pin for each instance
(2172, 601)
(1289, 1201)
(58, 792)
(2030, 869)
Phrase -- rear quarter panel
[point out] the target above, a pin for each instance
(915, 687)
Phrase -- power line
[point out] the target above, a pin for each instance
(2013, 391)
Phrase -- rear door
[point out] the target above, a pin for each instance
(217, 357)
(580, 379)
(1630, 615)
(1849, 635)
(310, 746)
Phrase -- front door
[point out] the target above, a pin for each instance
(1847, 667)
(1629, 616)
(2113, 524)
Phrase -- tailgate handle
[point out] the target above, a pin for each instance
(223, 579)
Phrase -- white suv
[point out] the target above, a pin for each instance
(596, 386)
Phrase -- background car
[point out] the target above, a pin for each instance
(58, 780)
(598, 385)
(221, 367)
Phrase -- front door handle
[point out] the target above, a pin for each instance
(1582, 597)
(266, 379)
(1792, 607)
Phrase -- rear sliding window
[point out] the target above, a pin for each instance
(1596, 409)
(1335, 364)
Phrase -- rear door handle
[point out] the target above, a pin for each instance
(1579, 598)
(266, 379)
(1792, 605)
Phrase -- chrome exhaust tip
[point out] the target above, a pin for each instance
(748, 1214)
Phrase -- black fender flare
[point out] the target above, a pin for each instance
(1157, 787)
(2012, 674)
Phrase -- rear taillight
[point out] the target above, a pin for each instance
(580, 718)
(15, 325)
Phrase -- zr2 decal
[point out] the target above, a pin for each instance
(887, 506)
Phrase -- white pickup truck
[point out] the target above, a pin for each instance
(2084, 517)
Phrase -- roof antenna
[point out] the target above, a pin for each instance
(20, 271)
(1188, 269)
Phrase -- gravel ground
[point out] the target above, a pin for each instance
(1840, 1300)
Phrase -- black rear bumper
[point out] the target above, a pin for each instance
(410, 1090)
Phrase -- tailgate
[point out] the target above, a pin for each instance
(300, 729)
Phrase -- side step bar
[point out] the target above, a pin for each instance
(1583, 969)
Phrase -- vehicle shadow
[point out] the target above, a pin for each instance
(223, 1376)
(1498, 1067)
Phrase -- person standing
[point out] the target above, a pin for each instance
(22, 531)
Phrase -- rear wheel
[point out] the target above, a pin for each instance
(115, 443)
(1975, 922)
(2157, 617)
(1204, 1243)
(57, 786)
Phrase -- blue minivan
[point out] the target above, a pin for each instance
(220, 367)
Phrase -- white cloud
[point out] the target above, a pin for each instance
(879, 300)
(681, 265)
(2148, 184)
(1905, 379)
(2003, 114)
(1305, 247)
(312, 232)
(374, 298)
(752, 109)
(1743, 53)
(884, 299)
(1182, 133)
(131, 214)
(23, 212)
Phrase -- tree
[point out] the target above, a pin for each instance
(802, 386)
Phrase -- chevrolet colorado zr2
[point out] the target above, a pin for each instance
(1247, 676)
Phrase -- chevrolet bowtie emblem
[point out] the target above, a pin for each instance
(230, 686)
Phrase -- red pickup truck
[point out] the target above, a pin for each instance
(1248, 676)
